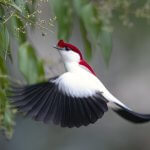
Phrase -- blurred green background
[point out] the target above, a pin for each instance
(114, 37)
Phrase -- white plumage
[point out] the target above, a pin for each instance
(79, 82)
(72, 99)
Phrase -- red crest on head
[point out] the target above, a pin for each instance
(63, 44)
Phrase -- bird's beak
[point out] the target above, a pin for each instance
(57, 48)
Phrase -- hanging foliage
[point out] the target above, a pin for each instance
(94, 18)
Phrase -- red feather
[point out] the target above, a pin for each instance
(85, 64)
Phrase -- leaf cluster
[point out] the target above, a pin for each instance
(13, 15)
(91, 25)
(94, 18)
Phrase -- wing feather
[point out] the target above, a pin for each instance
(47, 102)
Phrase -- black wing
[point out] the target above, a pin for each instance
(45, 102)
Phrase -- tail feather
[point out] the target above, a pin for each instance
(130, 115)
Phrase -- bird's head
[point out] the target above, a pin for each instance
(69, 52)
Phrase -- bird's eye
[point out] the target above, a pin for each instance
(66, 48)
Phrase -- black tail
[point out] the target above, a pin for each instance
(131, 115)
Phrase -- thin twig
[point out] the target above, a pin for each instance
(13, 13)
(19, 13)
(32, 22)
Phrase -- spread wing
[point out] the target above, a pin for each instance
(55, 101)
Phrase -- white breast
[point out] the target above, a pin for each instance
(81, 84)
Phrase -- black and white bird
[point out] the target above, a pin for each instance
(75, 98)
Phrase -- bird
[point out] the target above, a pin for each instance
(73, 99)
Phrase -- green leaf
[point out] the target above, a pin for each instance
(6, 115)
(87, 44)
(2, 66)
(3, 74)
(92, 23)
(41, 70)
(63, 12)
(4, 40)
(23, 5)
(31, 68)
(105, 43)
(78, 5)
(18, 23)
(18, 30)
(20, 3)
(16, 7)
